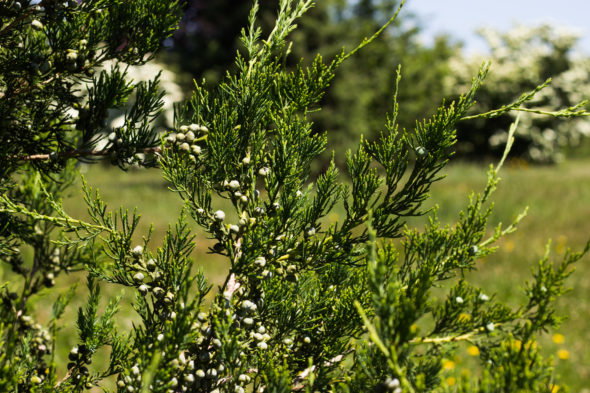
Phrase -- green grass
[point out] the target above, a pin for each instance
(557, 197)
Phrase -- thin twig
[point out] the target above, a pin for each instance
(78, 153)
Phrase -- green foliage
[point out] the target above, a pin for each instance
(365, 304)
(360, 94)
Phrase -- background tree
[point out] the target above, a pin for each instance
(521, 58)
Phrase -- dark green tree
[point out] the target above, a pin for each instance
(306, 305)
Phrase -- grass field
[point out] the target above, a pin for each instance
(559, 209)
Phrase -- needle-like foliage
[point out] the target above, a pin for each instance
(308, 304)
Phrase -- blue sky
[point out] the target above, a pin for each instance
(460, 18)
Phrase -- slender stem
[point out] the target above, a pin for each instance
(78, 153)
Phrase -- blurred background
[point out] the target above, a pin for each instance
(440, 45)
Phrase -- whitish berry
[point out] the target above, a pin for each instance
(190, 136)
(287, 341)
(392, 383)
(202, 316)
(483, 297)
(196, 149)
(262, 345)
(421, 151)
(183, 129)
(143, 289)
(137, 251)
(260, 261)
(37, 25)
(185, 146)
(234, 228)
(72, 56)
(459, 300)
(180, 136)
(200, 373)
(219, 215)
(307, 340)
(138, 277)
(248, 321)
(160, 337)
(151, 265)
(490, 326)
(248, 305)
(264, 171)
(135, 370)
(246, 160)
(234, 184)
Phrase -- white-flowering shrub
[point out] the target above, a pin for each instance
(521, 59)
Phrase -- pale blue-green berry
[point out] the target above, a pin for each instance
(151, 265)
(421, 151)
